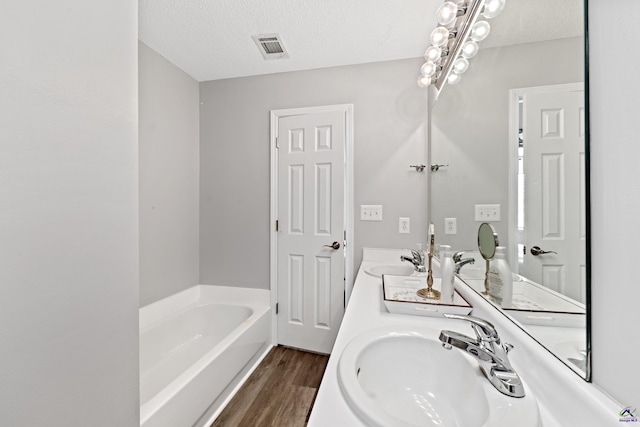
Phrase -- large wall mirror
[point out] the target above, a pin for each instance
(512, 136)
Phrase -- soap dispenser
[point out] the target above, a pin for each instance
(500, 279)
(448, 276)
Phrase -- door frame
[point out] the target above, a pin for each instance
(275, 115)
(514, 119)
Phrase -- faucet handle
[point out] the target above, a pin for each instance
(418, 255)
(457, 256)
(483, 328)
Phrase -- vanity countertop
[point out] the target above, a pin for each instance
(581, 404)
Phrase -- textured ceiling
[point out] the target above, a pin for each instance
(212, 39)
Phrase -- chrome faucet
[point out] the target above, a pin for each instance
(457, 256)
(417, 259)
(491, 354)
(459, 262)
(462, 262)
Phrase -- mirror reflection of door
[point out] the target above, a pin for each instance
(552, 189)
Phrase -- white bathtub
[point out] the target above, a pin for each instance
(196, 347)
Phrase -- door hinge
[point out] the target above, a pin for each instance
(277, 142)
(277, 307)
(277, 225)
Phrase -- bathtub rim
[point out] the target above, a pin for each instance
(228, 295)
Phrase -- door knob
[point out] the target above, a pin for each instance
(535, 251)
(334, 245)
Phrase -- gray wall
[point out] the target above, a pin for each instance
(169, 177)
(470, 130)
(390, 115)
(68, 214)
(615, 197)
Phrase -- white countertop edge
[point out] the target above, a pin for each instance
(563, 397)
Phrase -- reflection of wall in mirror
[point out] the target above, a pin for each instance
(470, 125)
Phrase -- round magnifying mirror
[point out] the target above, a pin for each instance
(487, 244)
(487, 241)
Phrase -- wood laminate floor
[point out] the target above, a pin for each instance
(280, 392)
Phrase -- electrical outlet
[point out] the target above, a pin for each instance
(404, 225)
(486, 213)
(370, 212)
(450, 226)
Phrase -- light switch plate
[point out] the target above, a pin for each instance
(487, 213)
(370, 212)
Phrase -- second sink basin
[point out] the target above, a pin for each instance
(402, 377)
(392, 269)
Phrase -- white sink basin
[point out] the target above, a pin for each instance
(392, 269)
(401, 376)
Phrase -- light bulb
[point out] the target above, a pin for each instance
(460, 65)
(480, 31)
(439, 37)
(492, 8)
(433, 53)
(454, 79)
(424, 81)
(428, 69)
(469, 49)
(447, 13)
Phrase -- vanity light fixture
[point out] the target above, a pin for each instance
(455, 40)
(480, 31)
(454, 79)
(469, 49)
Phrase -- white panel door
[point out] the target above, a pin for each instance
(554, 130)
(311, 217)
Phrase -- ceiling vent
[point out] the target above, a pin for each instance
(271, 46)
